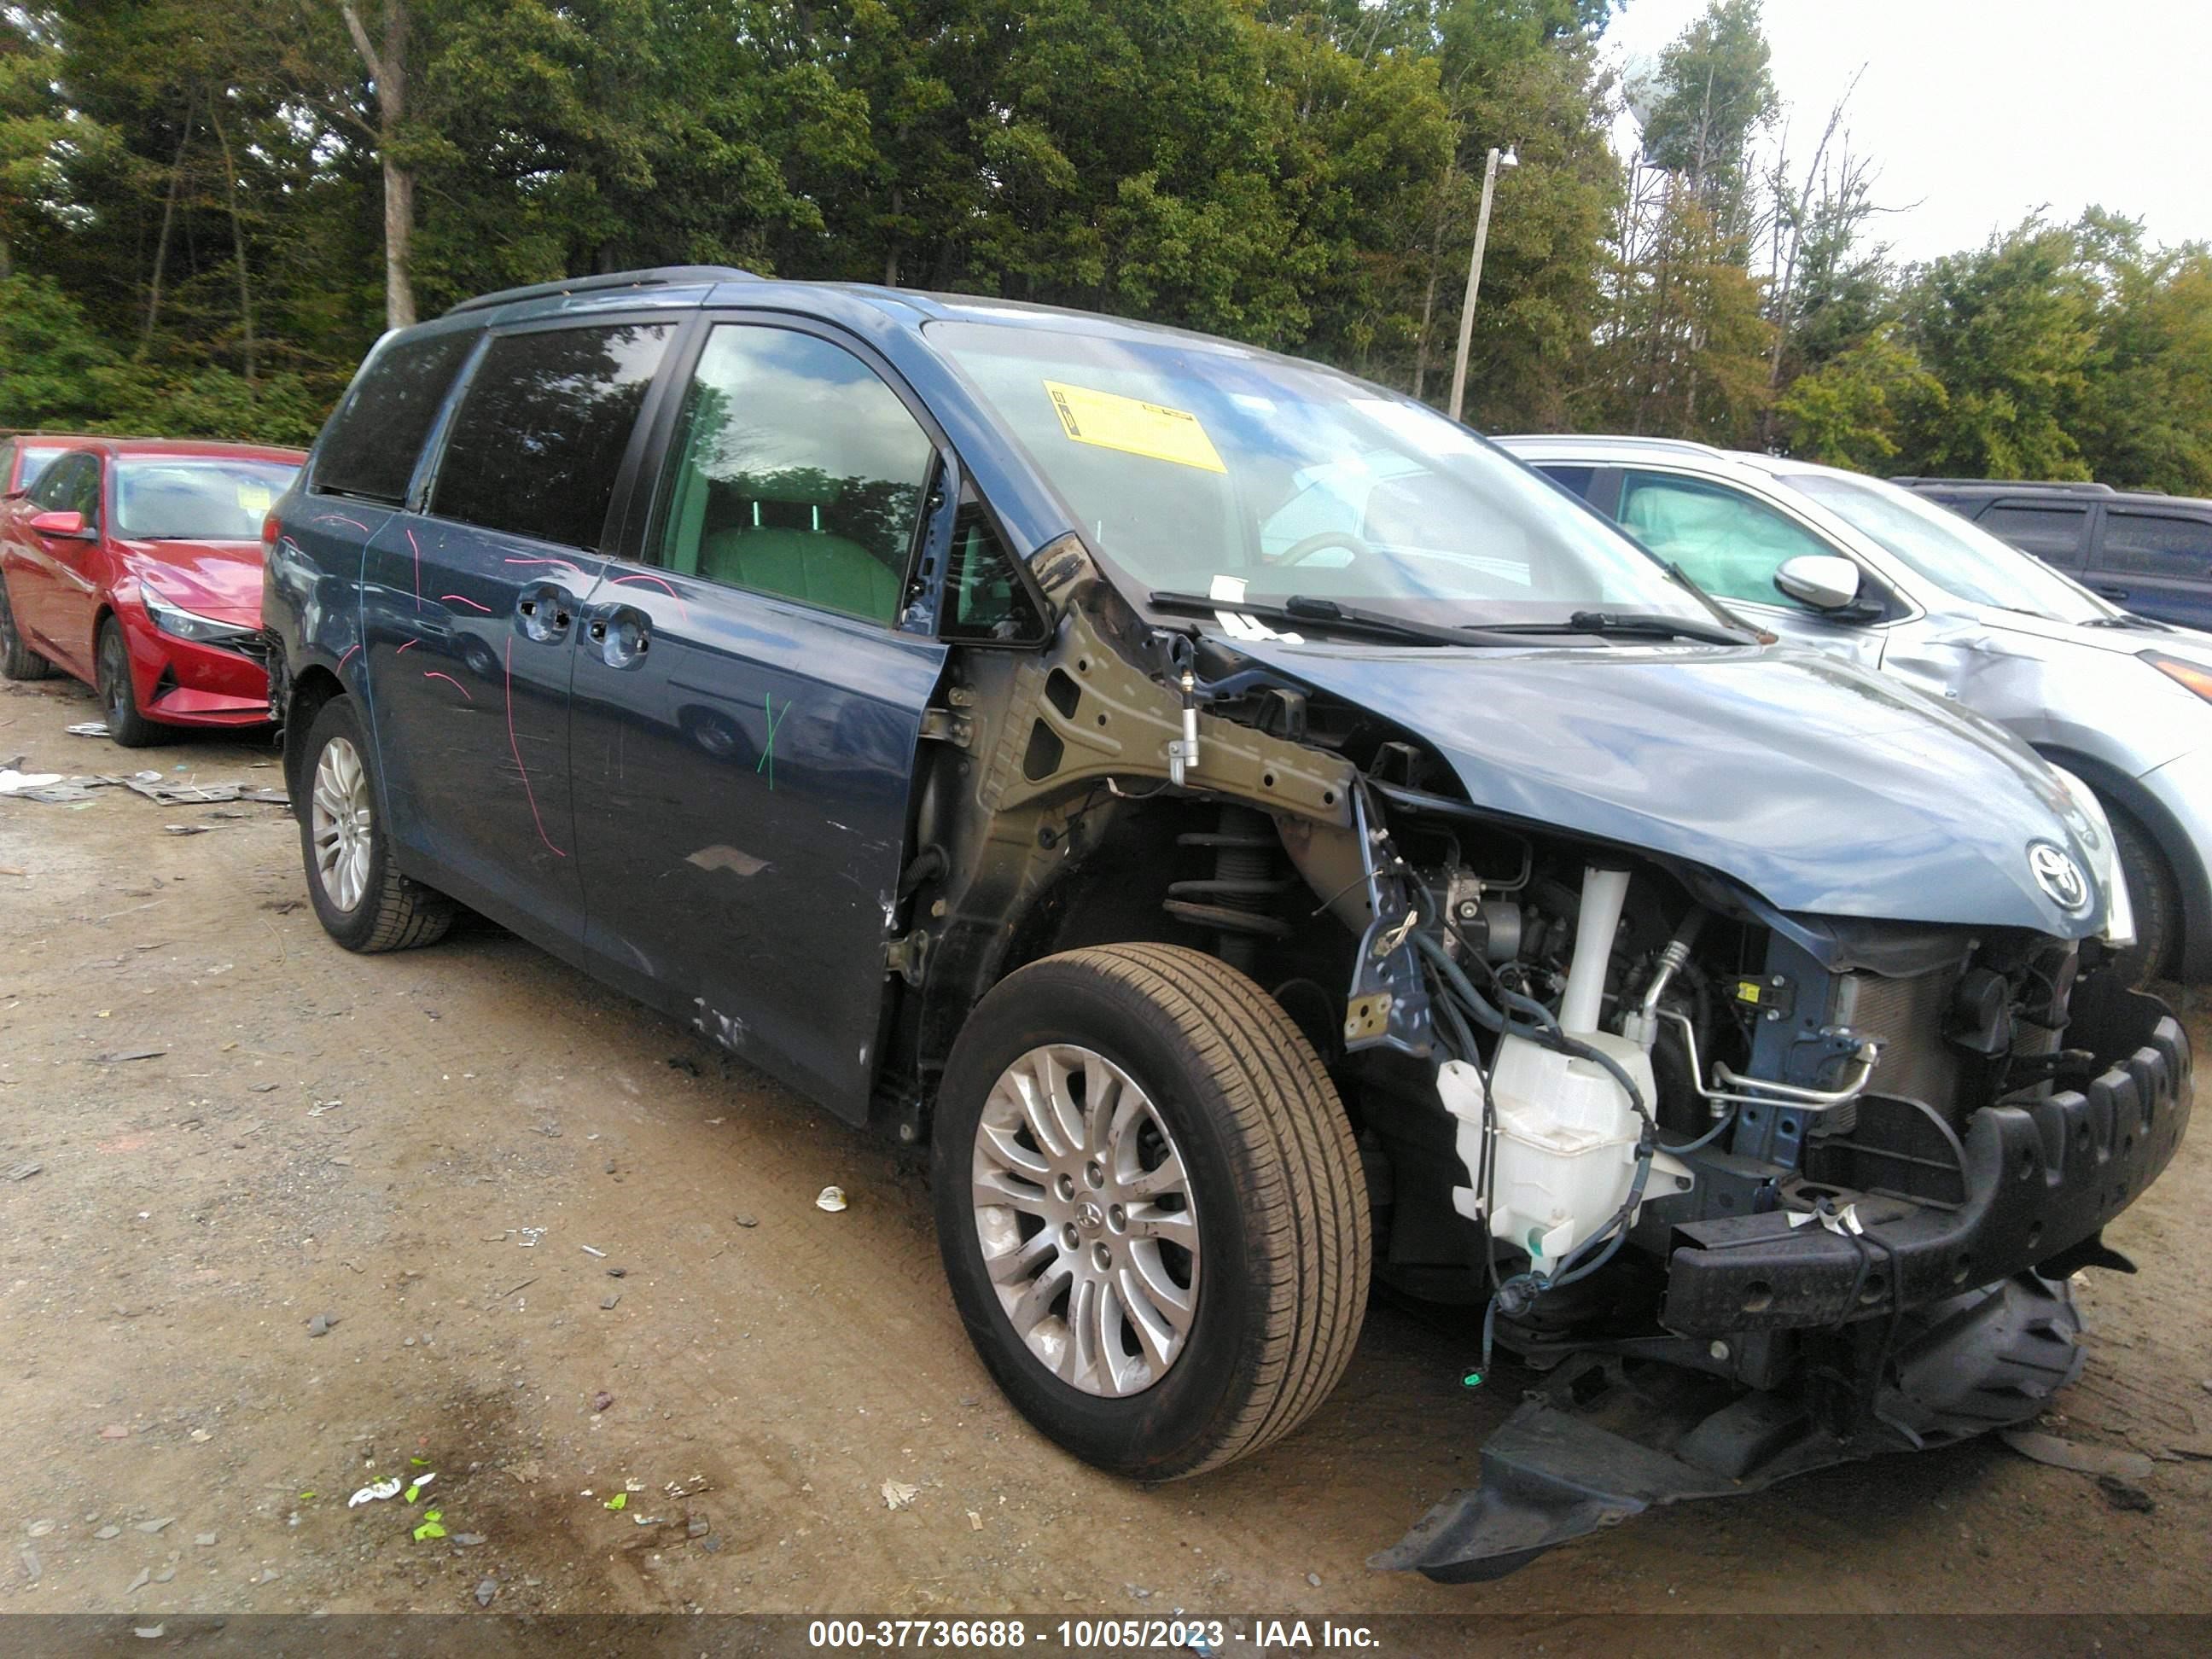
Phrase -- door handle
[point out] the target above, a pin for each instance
(621, 633)
(2112, 593)
(544, 611)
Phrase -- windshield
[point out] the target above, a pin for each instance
(1200, 469)
(196, 499)
(1958, 555)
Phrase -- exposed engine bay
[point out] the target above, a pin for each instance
(1741, 1191)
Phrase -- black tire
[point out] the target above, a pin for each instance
(1274, 1177)
(118, 699)
(17, 660)
(392, 912)
(2155, 897)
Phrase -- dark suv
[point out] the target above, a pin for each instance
(2150, 553)
(1262, 837)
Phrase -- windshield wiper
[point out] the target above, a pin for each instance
(1301, 610)
(1610, 624)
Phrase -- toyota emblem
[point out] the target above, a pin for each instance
(2058, 876)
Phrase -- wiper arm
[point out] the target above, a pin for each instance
(1300, 611)
(1638, 624)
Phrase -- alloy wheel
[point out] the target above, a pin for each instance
(1083, 1206)
(340, 819)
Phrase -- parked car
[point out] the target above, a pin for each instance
(2149, 552)
(969, 713)
(134, 564)
(24, 455)
(2119, 702)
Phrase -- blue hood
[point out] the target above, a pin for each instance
(1824, 788)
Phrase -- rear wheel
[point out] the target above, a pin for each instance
(362, 899)
(17, 660)
(2153, 896)
(1151, 1207)
(118, 699)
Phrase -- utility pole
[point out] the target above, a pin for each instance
(1505, 158)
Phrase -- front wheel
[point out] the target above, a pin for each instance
(2152, 895)
(360, 896)
(1151, 1207)
(118, 699)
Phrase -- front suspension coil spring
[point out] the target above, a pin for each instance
(1234, 900)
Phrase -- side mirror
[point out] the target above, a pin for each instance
(68, 527)
(1826, 581)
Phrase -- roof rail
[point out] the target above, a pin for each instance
(660, 277)
(1625, 440)
(2071, 486)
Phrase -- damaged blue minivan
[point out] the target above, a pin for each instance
(1265, 840)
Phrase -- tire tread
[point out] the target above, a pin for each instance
(1314, 1262)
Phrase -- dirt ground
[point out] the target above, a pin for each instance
(520, 1195)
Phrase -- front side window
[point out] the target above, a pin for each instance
(539, 436)
(1728, 543)
(2049, 532)
(2157, 544)
(1955, 553)
(208, 499)
(797, 471)
(1190, 465)
(71, 485)
(370, 448)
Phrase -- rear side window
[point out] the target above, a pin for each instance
(1574, 479)
(370, 449)
(2049, 532)
(2157, 544)
(540, 433)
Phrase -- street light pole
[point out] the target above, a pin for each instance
(1498, 159)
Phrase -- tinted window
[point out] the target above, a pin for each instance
(209, 499)
(1575, 480)
(370, 447)
(2157, 544)
(983, 598)
(797, 472)
(2049, 532)
(540, 432)
(71, 485)
(1728, 543)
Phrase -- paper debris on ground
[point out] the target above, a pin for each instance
(832, 1199)
(375, 1493)
(898, 1495)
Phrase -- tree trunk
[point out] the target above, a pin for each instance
(388, 69)
(237, 233)
(161, 242)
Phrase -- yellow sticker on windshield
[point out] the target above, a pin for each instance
(1132, 426)
(254, 498)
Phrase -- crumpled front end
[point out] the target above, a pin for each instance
(1909, 1288)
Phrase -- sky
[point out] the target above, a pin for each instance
(1980, 111)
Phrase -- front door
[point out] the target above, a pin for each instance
(1731, 544)
(746, 713)
(470, 616)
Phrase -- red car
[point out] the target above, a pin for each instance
(135, 564)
